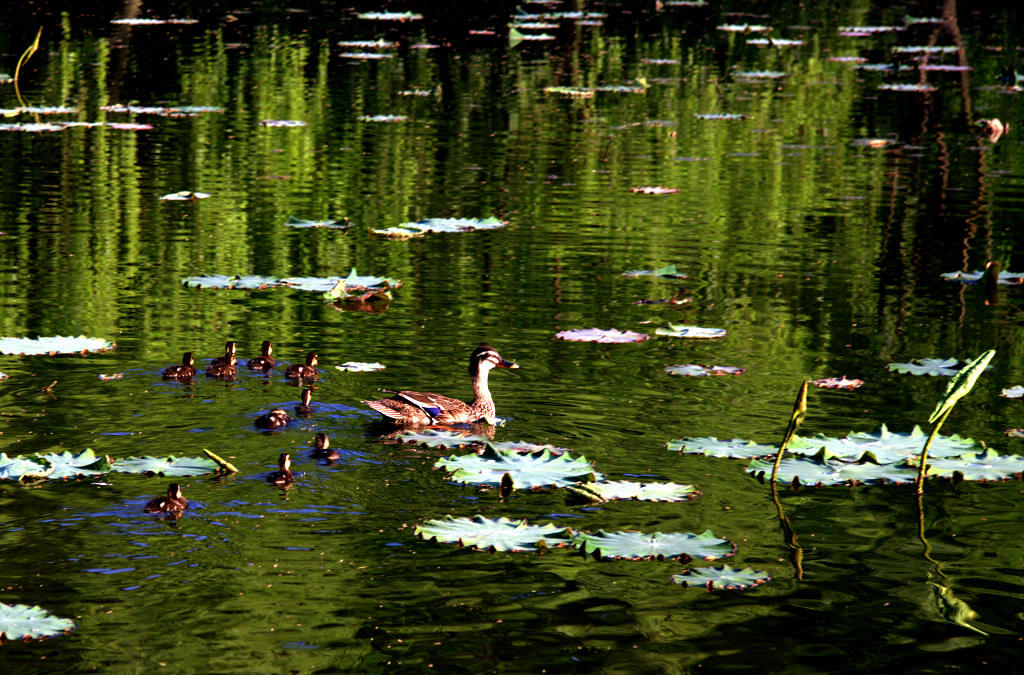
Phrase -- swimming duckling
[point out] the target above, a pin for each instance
(305, 408)
(174, 502)
(264, 361)
(322, 448)
(181, 371)
(307, 371)
(274, 419)
(283, 476)
(225, 370)
(229, 352)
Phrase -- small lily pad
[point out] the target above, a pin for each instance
(53, 345)
(528, 470)
(696, 332)
(712, 447)
(666, 272)
(381, 118)
(184, 196)
(360, 367)
(697, 370)
(654, 190)
(989, 465)
(501, 534)
(643, 546)
(67, 465)
(722, 578)
(933, 367)
(165, 466)
(1013, 392)
(1004, 278)
(610, 335)
(623, 489)
(282, 123)
(430, 225)
(390, 16)
(328, 224)
(720, 116)
(837, 383)
(573, 92)
(20, 622)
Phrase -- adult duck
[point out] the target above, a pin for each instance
(274, 419)
(306, 371)
(264, 361)
(283, 476)
(416, 407)
(174, 502)
(185, 370)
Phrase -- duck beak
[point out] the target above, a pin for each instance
(507, 364)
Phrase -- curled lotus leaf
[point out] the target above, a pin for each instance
(53, 345)
(20, 622)
(328, 224)
(623, 489)
(165, 466)
(982, 466)
(722, 578)
(712, 447)
(961, 384)
(933, 367)
(642, 546)
(697, 370)
(67, 465)
(609, 336)
(20, 468)
(360, 367)
(666, 272)
(528, 470)
(501, 534)
(681, 331)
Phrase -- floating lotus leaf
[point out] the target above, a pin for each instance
(926, 49)
(624, 489)
(641, 546)
(329, 224)
(165, 466)
(666, 272)
(68, 465)
(639, 88)
(807, 471)
(172, 111)
(722, 578)
(916, 87)
(367, 44)
(414, 229)
(697, 370)
(775, 42)
(885, 445)
(184, 196)
(933, 367)
(254, 283)
(128, 126)
(760, 74)
(680, 331)
(53, 345)
(354, 283)
(837, 383)
(943, 68)
(527, 470)
(743, 28)
(18, 622)
(439, 438)
(390, 16)
(4, 376)
(720, 116)
(360, 367)
(610, 335)
(869, 30)
(485, 533)
(654, 190)
(824, 469)
(332, 287)
(381, 118)
(286, 124)
(989, 465)
(685, 3)
(712, 447)
(1005, 278)
(575, 92)
(19, 468)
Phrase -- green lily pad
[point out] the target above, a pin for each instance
(485, 533)
(165, 466)
(608, 336)
(18, 622)
(680, 331)
(329, 224)
(528, 470)
(989, 465)
(429, 225)
(68, 465)
(19, 468)
(354, 283)
(666, 272)
(53, 345)
(332, 287)
(1016, 391)
(623, 489)
(722, 578)
(697, 370)
(933, 367)
(642, 546)
(712, 447)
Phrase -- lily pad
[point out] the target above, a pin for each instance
(184, 196)
(697, 370)
(654, 190)
(722, 578)
(989, 465)
(328, 224)
(933, 367)
(20, 468)
(381, 118)
(913, 88)
(643, 546)
(1013, 392)
(53, 345)
(528, 470)
(885, 445)
(165, 466)
(824, 470)
(837, 383)
(680, 331)
(610, 335)
(486, 533)
(20, 622)
(720, 116)
(1004, 278)
(390, 16)
(415, 229)
(282, 123)
(439, 438)
(712, 447)
(574, 92)
(354, 283)
(68, 465)
(360, 367)
(666, 272)
(624, 489)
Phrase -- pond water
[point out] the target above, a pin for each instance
(820, 182)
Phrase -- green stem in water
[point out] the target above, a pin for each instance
(25, 57)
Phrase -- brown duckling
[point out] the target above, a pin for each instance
(274, 419)
(306, 371)
(223, 370)
(264, 361)
(229, 353)
(305, 408)
(283, 476)
(322, 448)
(174, 502)
(182, 371)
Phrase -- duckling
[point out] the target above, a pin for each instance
(173, 503)
(264, 361)
(274, 419)
(223, 370)
(283, 476)
(183, 371)
(229, 353)
(322, 448)
(305, 408)
(307, 371)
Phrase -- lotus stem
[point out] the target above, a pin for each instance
(799, 411)
(221, 462)
(25, 56)
(923, 467)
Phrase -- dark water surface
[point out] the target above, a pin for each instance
(818, 253)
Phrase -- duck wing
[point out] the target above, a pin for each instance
(434, 405)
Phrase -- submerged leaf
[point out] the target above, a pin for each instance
(484, 533)
(640, 545)
(53, 345)
(20, 622)
(721, 578)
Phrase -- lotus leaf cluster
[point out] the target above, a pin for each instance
(722, 578)
(67, 465)
(499, 534)
(642, 546)
(1004, 278)
(332, 288)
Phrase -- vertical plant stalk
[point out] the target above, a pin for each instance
(799, 410)
(788, 533)
(25, 56)
(923, 466)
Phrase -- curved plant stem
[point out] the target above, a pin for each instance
(799, 410)
(923, 467)
(25, 56)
